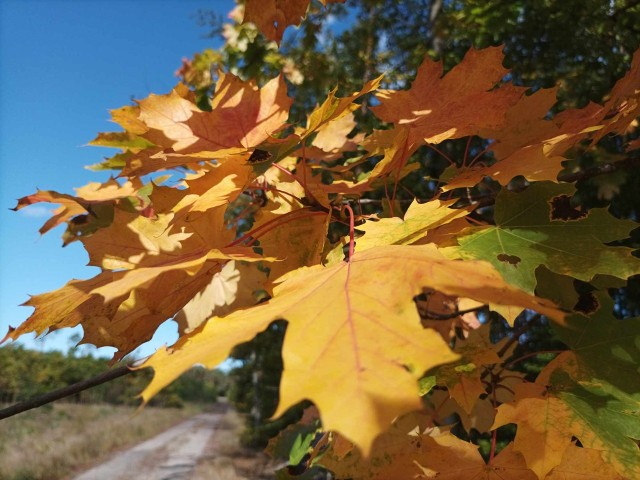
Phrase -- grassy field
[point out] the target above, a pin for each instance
(56, 441)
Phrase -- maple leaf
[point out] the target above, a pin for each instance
(232, 288)
(533, 146)
(446, 411)
(213, 188)
(418, 220)
(540, 227)
(413, 448)
(66, 307)
(548, 419)
(242, 116)
(124, 140)
(78, 208)
(337, 343)
(599, 375)
(607, 348)
(395, 147)
(623, 105)
(70, 207)
(167, 257)
(302, 233)
(327, 117)
(454, 459)
(461, 103)
(583, 464)
(463, 377)
(443, 314)
(545, 426)
(601, 369)
(335, 108)
(332, 136)
(285, 224)
(131, 239)
(124, 282)
(272, 17)
(200, 208)
(528, 144)
(122, 309)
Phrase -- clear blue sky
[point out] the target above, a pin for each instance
(63, 66)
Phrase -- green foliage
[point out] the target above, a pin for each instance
(553, 232)
(254, 386)
(27, 373)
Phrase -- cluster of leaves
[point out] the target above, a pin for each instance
(261, 225)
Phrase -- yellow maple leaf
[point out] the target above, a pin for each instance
(418, 220)
(583, 464)
(337, 316)
(131, 239)
(544, 427)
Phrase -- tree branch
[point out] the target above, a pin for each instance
(63, 392)
(516, 334)
(627, 163)
(624, 9)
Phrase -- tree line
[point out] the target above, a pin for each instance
(28, 373)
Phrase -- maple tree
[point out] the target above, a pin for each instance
(223, 216)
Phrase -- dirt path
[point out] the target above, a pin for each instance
(171, 455)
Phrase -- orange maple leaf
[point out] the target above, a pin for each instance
(242, 116)
(272, 17)
(71, 206)
(413, 448)
(461, 103)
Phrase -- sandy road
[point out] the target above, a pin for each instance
(171, 455)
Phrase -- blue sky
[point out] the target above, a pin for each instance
(63, 66)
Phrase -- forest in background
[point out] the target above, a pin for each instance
(28, 373)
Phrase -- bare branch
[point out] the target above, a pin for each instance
(69, 390)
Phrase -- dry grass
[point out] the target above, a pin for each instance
(226, 459)
(55, 441)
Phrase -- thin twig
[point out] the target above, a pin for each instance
(530, 355)
(627, 163)
(69, 390)
(515, 335)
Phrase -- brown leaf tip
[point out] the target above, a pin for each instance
(561, 209)
(8, 335)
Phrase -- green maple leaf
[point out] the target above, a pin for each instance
(591, 392)
(540, 227)
(608, 348)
